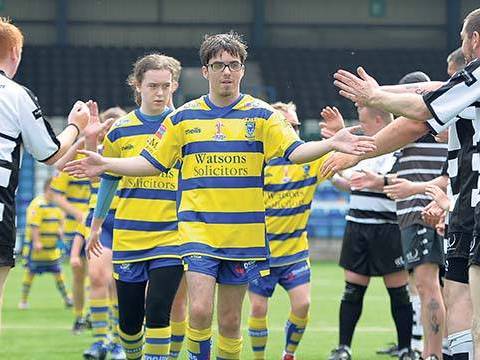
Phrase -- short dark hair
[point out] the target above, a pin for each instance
(457, 58)
(414, 77)
(230, 42)
(472, 22)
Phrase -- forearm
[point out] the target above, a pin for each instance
(396, 135)
(416, 88)
(76, 246)
(66, 206)
(66, 138)
(35, 235)
(311, 150)
(133, 166)
(70, 154)
(105, 196)
(440, 181)
(340, 183)
(410, 105)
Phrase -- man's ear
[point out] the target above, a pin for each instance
(174, 86)
(205, 72)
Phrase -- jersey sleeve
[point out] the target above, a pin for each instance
(37, 134)
(60, 183)
(460, 92)
(34, 214)
(163, 147)
(111, 148)
(279, 137)
(319, 163)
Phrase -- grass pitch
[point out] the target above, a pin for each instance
(43, 331)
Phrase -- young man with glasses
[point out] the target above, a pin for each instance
(223, 140)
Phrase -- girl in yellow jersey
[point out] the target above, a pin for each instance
(146, 246)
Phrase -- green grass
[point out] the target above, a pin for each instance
(43, 331)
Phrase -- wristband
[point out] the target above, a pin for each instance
(75, 126)
(385, 181)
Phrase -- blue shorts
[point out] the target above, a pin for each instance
(288, 276)
(106, 235)
(134, 272)
(39, 267)
(227, 272)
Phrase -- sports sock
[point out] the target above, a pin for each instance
(228, 348)
(157, 343)
(199, 343)
(417, 328)
(60, 283)
(26, 285)
(258, 332)
(294, 329)
(461, 345)
(99, 310)
(402, 313)
(350, 311)
(114, 320)
(132, 344)
(176, 341)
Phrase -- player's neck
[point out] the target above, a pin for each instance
(144, 110)
(223, 101)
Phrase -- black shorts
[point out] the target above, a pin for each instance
(457, 253)
(422, 245)
(7, 245)
(474, 256)
(372, 249)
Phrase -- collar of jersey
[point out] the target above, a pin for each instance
(152, 118)
(212, 106)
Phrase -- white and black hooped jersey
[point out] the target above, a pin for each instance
(457, 105)
(419, 161)
(21, 123)
(370, 206)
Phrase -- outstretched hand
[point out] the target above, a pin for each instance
(332, 121)
(94, 246)
(399, 188)
(345, 141)
(359, 89)
(338, 162)
(90, 166)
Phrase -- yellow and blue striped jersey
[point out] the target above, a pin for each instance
(222, 151)
(145, 225)
(94, 186)
(77, 192)
(48, 217)
(288, 193)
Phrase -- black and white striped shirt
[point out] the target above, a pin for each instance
(369, 206)
(21, 123)
(456, 105)
(419, 161)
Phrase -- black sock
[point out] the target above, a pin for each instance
(402, 313)
(350, 311)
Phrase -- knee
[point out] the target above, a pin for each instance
(353, 293)
(425, 287)
(259, 309)
(98, 279)
(200, 313)
(301, 307)
(229, 323)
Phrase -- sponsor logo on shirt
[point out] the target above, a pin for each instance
(127, 147)
(195, 130)
(37, 113)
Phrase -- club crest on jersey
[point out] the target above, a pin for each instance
(161, 131)
(286, 178)
(219, 135)
(306, 169)
(250, 129)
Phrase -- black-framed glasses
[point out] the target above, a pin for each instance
(219, 66)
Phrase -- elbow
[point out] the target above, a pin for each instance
(295, 157)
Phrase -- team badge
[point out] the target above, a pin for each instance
(161, 131)
(306, 169)
(250, 129)
(219, 135)
(286, 178)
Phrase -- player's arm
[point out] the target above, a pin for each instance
(36, 240)
(61, 201)
(106, 193)
(399, 188)
(70, 154)
(415, 88)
